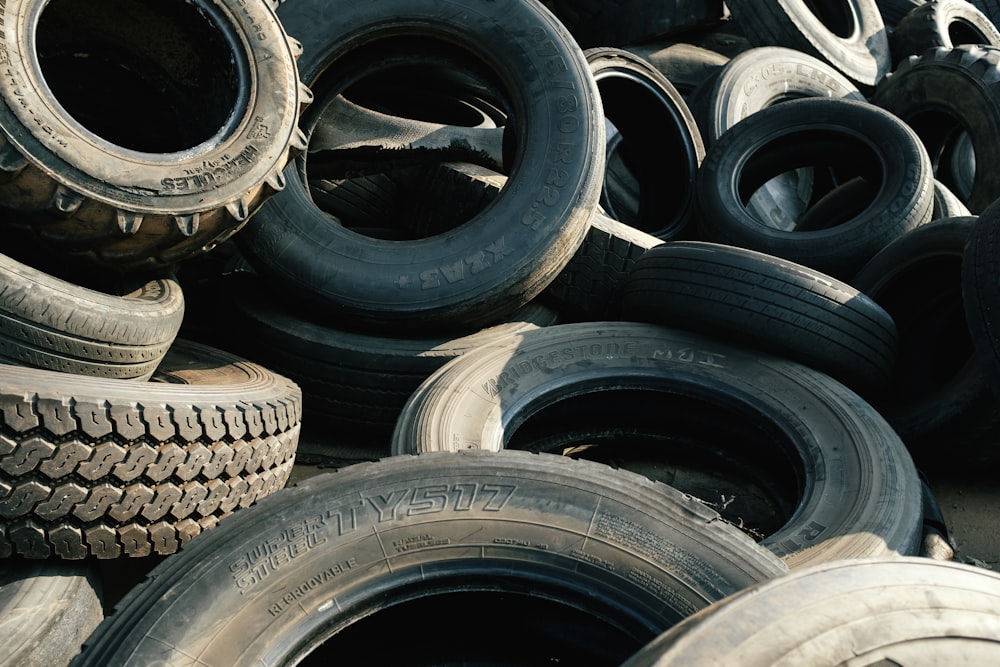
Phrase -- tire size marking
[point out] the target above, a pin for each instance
(455, 272)
(692, 356)
(515, 370)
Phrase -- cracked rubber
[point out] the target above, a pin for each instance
(109, 468)
(173, 184)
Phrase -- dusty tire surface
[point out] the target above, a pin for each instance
(46, 322)
(47, 610)
(397, 534)
(139, 194)
(106, 468)
(764, 302)
(952, 617)
(502, 257)
(862, 495)
(854, 138)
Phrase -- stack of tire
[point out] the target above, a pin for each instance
(618, 323)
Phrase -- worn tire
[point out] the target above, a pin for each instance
(943, 93)
(105, 185)
(981, 291)
(105, 468)
(860, 492)
(764, 302)
(660, 146)
(47, 610)
(848, 34)
(356, 382)
(940, 390)
(846, 613)
(597, 23)
(941, 23)
(500, 259)
(597, 549)
(854, 138)
(46, 322)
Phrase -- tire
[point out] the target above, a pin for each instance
(50, 323)
(940, 391)
(144, 194)
(686, 66)
(47, 610)
(845, 137)
(484, 270)
(594, 23)
(941, 23)
(756, 79)
(356, 382)
(941, 94)
(659, 148)
(952, 617)
(947, 204)
(981, 292)
(106, 468)
(764, 302)
(857, 489)
(595, 549)
(762, 77)
(589, 287)
(893, 11)
(850, 35)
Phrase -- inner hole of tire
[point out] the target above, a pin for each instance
(155, 76)
(728, 456)
(843, 178)
(486, 628)
(650, 169)
(837, 16)
(410, 194)
(963, 32)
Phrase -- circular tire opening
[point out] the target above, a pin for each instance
(152, 76)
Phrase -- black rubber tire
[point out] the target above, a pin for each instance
(989, 7)
(496, 262)
(141, 191)
(764, 302)
(942, 93)
(376, 538)
(597, 23)
(46, 322)
(685, 65)
(589, 287)
(845, 613)
(860, 495)
(848, 34)
(105, 468)
(356, 382)
(761, 77)
(894, 10)
(941, 23)
(850, 137)
(947, 204)
(660, 146)
(756, 79)
(47, 610)
(981, 291)
(940, 389)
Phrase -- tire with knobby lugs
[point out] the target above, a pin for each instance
(101, 151)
